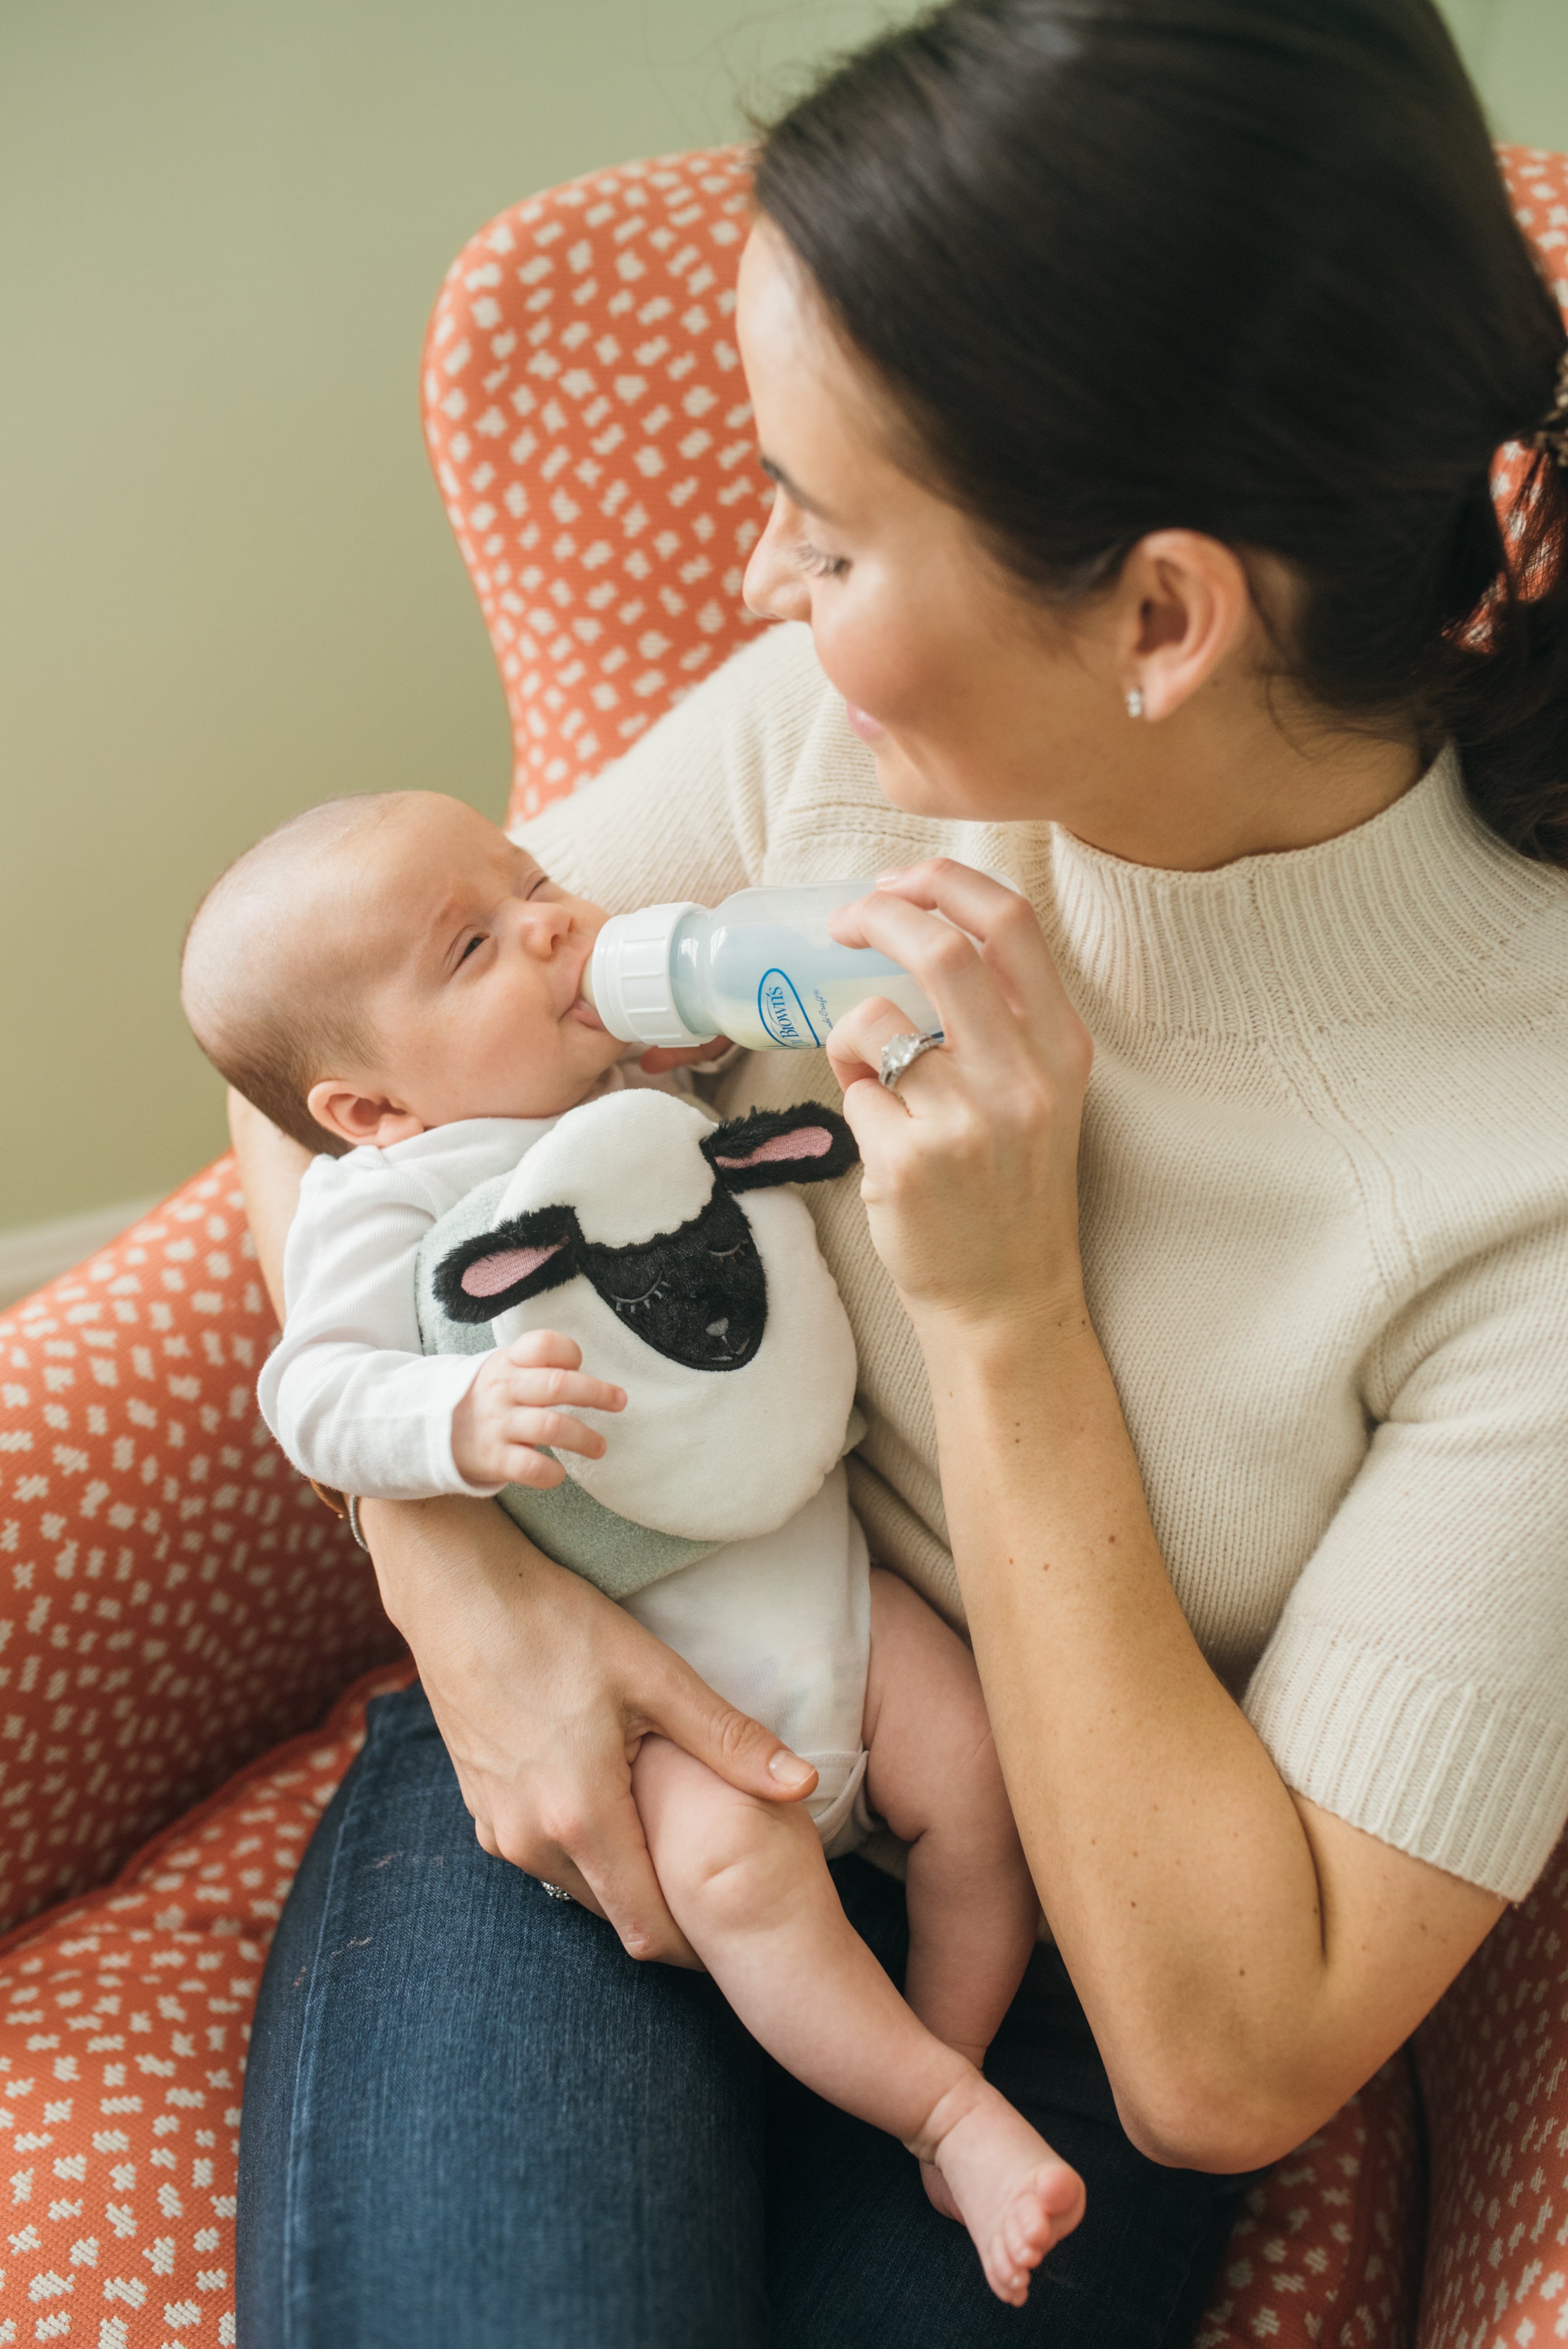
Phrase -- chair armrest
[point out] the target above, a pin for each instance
(173, 1598)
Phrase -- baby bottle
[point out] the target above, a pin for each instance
(761, 968)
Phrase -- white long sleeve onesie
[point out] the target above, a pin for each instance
(779, 1624)
(347, 1390)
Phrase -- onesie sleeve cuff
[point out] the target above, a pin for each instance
(1440, 1769)
(455, 1374)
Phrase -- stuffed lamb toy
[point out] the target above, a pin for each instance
(671, 1250)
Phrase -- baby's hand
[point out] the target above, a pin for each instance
(514, 1405)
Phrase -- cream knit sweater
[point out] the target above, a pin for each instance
(1324, 1183)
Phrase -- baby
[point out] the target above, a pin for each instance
(398, 985)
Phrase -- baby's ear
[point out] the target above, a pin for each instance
(487, 1275)
(354, 1117)
(805, 1145)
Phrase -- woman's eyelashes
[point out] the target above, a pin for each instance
(821, 566)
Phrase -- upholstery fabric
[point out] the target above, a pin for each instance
(172, 1598)
(1492, 2062)
(125, 2019)
(588, 424)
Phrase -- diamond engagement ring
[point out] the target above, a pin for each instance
(555, 1891)
(899, 1055)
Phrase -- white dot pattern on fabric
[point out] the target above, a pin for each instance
(1328, 2249)
(172, 1596)
(124, 2022)
(588, 424)
(1493, 2067)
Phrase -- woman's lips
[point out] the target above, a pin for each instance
(865, 725)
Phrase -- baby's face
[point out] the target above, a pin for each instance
(471, 960)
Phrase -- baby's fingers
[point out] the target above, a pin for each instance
(553, 1389)
(555, 1430)
(519, 1463)
(544, 1350)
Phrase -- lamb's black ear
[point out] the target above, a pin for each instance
(804, 1145)
(489, 1275)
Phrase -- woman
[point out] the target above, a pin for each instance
(1130, 372)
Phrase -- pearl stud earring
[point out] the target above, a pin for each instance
(1135, 703)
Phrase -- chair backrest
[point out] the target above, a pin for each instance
(588, 424)
(587, 420)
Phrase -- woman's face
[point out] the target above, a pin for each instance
(976, 701)
(984, 702)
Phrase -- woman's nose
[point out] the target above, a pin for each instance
(773, 589)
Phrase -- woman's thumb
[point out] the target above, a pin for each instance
(735, 1745)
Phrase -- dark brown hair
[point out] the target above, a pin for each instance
(1242, 267)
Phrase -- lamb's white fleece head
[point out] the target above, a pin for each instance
(664, 1245)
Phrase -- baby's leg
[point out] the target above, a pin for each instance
(933, 1775)
(747, 1883)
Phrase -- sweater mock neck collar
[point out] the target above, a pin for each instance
(1406, 907)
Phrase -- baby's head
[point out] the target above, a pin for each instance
(389, 963)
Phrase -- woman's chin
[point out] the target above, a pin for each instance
(903, 784)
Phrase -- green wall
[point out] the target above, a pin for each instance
(228, 588)
(1518, 52)
(226, 584)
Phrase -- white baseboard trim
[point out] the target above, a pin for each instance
(35, 1253)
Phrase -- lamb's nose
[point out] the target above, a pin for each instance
(717, 1329)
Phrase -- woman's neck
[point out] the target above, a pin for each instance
(1214, 784)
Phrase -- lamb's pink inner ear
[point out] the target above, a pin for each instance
(806, 1141)
(489, 1275)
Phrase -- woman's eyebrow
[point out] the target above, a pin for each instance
(776, 473)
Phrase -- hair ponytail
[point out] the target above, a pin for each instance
(1505, 697)
(1242, 267)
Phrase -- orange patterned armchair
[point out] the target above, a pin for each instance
(173, 1599)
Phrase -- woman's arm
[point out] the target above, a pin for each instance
(542, 1687)
(1246, 1960)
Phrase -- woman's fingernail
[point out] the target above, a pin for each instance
(789, 1769)
(894, 873)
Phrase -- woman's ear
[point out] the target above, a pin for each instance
(1186, 602)
(359, 1118)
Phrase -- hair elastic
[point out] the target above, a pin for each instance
(1554, 434)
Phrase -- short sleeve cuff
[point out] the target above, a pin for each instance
(1465, 1781)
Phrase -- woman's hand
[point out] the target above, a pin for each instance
(543, 1691)
(970, 1183)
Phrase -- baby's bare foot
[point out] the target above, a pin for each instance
(984, 2164)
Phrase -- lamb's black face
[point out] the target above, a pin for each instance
(697, 1295)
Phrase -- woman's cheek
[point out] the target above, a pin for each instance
(872, 674)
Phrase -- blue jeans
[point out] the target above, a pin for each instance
(471, 2120)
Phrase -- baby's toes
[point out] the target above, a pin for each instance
(1008, 2277)
(1049, 2207)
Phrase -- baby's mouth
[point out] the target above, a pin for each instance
(578, 1007)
